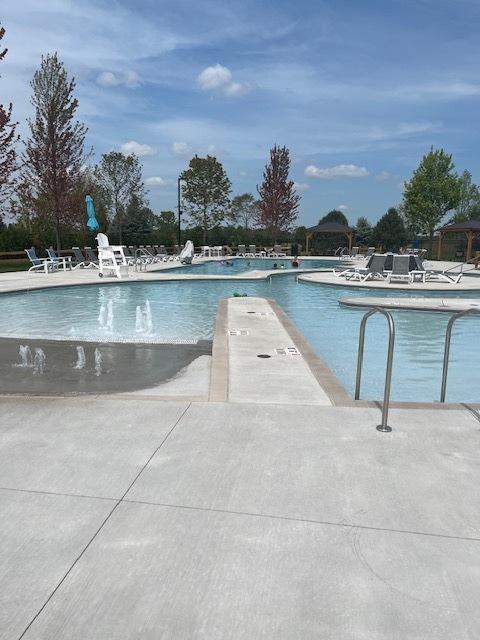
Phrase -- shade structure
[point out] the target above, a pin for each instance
(92, 223)
(470, 228)
(327, 228)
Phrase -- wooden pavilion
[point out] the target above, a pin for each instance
(328, 228)
(470, 228)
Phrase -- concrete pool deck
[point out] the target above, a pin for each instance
(131, 516)
(175, 520)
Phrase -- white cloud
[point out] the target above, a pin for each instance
(138, 149)
(236, 89)
(181, 149)
(129, 79)
(214, 77)
(301, 186)
(342, 207)
(108, 79)
(220, 77)
(339, 171)
(156, 181)
(383, 176)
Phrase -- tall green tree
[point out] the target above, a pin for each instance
(8, 140)
(431, 193)
(120, 178)
(243, 209)
(54, 154)
(206, 192)
(468, 206)
(279, 202)
(364, 231)
(334, 216)
(390, 231)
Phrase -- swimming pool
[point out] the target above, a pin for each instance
(233, 267)
(185, 311)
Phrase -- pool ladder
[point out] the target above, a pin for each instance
(383, 426)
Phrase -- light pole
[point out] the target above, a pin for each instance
(179, 209)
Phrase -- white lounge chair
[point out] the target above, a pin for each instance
(39, 264)
(241, 251)
(65, 262)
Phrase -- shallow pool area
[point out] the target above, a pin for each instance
(185, 311)
(236, 266)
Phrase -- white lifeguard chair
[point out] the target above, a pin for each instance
(111, 258)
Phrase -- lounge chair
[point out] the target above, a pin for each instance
(79, 259)
(374, 270)
(91, 257)
(241, 251)
(400, 269)
(39, 264)
(370, 252)
(59, 260)
(278, 251)
(252, 249)
(354, 252)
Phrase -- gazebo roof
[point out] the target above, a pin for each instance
(459, 227)
(330, 227)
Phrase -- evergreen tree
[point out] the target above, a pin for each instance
(364, 231)
(334, 216)
(390, 231)
(120, 179)
(54, 154)
(8, 139)
(206, 192)
(279, 202)
(431, 193)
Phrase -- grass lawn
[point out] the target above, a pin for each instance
(13, 265)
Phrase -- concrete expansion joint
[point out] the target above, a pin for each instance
(104, 522)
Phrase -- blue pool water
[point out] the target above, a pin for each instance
(186, 311)
(242, 265)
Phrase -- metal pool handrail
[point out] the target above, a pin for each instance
(446, 353)
(388, 375)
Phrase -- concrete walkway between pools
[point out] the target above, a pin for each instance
(131, 518)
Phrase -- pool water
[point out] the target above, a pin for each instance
(242, 265)
(185, 311)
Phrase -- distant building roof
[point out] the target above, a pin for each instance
(330, 227)
(459, 227)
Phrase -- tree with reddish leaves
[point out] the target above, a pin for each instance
(278, 205)
(8, 140)
(54, 155)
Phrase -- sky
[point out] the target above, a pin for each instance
(358, 91)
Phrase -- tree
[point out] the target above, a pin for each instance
(206, 192)
(390, 231)
(140, 220)
(243, 209)
(334, 216)
(8, 140)
(432, 192)
(279, 202)
(468, 206)
(120, 178)
(364, 231)
(54, 154)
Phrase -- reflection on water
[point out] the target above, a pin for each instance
(186, 311)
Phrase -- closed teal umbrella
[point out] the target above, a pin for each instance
(92, 223)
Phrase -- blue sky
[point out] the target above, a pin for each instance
(358, 91)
